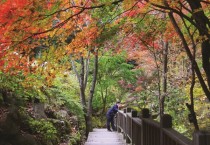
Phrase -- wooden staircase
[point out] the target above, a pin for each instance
(104, 137)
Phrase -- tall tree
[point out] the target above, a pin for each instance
(200, 21)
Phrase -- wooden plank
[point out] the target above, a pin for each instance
(104, 137)
(99, 143)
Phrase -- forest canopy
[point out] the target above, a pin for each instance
(86, 54)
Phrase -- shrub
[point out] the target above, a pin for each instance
(44, 128)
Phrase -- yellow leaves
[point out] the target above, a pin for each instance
(170, 33)
(128, 28)
(108, 3)
(174, 3)
(30, 82)
(127, 4)
(159, 2)
(198, 10)
(181, 56)
(50, 75)
(200, 39)
(58, 32)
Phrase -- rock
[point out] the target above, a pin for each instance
(24, 139)
(74, 120)
(62, 126)
(62, 114)
(10, 133)
(50, 113)
(9, 125)
(4, 143)
(39, 110)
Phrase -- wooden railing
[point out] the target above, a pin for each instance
(145, 131)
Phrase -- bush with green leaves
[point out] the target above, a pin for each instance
(22, 87)
(112, 69)
(75, 138)
(64, 92)
(44, 128)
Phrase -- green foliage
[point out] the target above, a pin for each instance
(175, 106)
(21, 87)
(107, 14)
(43, 127)
(98, 122)
(62, 93)
(54, 8)
(201, 106)
(174, 103)
(65, 92)
(149, 27)
(105, 18)
(11, 83)
(108, 34)
(75, 138)
(112, 69)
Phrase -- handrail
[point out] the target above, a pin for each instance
(174, 135)
(146, 131)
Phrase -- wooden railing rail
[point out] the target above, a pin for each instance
(145, 131)
(150, 132)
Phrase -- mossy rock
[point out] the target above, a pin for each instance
(25, 139)
(9, 124)
(63, 128)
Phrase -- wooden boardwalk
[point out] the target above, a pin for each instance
(104, 137)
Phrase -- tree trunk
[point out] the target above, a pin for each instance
(206, 59)
(203, 23)
(164, 84)
(89, 112)
(82, 84)
(104, 101)
(191, 105)
(165, 69)
(82, 94)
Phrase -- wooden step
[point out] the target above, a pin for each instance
(104, 137)
(99, 143)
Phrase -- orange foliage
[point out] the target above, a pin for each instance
(19, 20)
(134, 8)
(83, 39)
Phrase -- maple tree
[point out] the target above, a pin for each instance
(189, 35)
(201, 23)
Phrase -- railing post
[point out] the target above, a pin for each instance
(128, 110)
(133, 114)
(124, 124)
(118, 123)
(124, 111)
(201, 138)
(145, 114)
(166, 121)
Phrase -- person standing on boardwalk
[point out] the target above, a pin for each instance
(110, 116)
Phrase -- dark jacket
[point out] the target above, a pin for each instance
(112, 111)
